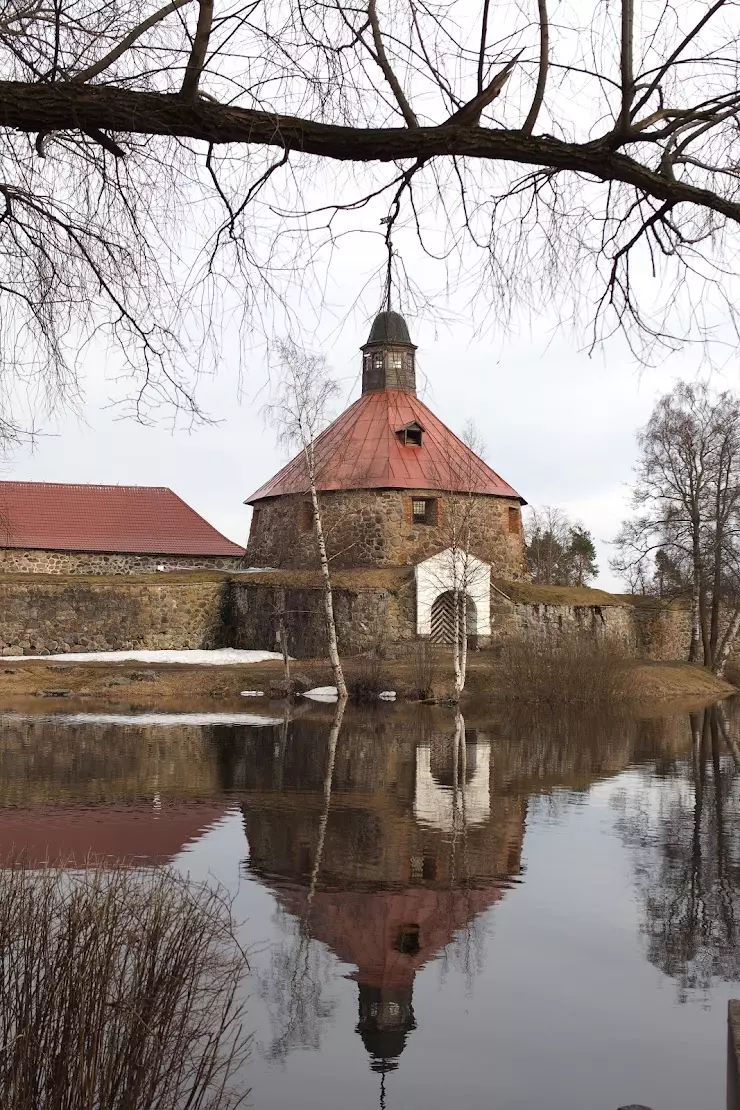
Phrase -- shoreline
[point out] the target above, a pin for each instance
(44, 686)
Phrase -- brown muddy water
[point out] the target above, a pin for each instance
(514, 913)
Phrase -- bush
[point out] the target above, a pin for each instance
(118, 989)
(368, 678)
(423, 670)
(573, 670)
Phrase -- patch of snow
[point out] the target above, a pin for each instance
(322, 693)
(219, 657)
(387, 695)
(137, 720)
(252, 693)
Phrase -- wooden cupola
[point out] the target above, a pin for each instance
(388, 356)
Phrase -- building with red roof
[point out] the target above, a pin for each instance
(396, 489)
(55, 527)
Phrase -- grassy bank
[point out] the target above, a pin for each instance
(46, 686)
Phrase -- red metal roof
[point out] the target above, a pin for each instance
(362, 450)
(130, 519)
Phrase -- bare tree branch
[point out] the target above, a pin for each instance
(539, 92)
(382, 59)
(197, 57)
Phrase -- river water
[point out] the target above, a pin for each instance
(510, 912)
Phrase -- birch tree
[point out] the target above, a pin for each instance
(459, 530)
(687, 509)
(300, 411)
(168, 166)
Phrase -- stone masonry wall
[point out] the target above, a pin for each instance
(660, 631)
(55, 613)
(366, 618)
(33, 561)
(374, 528)
(39, 616)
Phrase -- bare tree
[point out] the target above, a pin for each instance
(156, 159)
(687, 502)
(299, 413)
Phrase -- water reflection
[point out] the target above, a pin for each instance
(526, 859)
(385, 852)
(683, 831)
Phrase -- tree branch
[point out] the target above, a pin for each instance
(654, 84)
(539, 92)
(382, 59)
(126, 43)
(72, 107)
(470, 113)
(197, 58)
(626, 65)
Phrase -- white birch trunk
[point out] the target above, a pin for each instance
(331, 628)
(727, 641)
(456, 654)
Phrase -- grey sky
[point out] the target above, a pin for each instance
(558, 425)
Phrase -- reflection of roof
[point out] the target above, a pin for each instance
(140, 833)
(362, 450)
(132, 519)
(364, 927)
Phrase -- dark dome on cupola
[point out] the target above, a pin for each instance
(389, 327)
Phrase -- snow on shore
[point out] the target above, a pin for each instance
(219, 657)
(138, 720)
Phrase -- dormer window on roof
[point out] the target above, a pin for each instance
(411, 434)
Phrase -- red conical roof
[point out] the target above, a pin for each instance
(363, 450)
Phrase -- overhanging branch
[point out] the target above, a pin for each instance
(34, 108)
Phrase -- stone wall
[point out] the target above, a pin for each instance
(659, 631)
(55, 614)
(375, 528)
(33, 561)
(367, 613)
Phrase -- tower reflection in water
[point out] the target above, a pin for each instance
(386, 847)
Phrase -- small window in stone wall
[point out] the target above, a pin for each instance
(424, 510)
(255, 521)
(306, 517)
(515, 522)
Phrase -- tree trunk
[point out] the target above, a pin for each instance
(723, 652)
(331, 628)
(696, 630)
(456, 654)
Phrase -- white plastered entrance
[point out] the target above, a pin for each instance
(441, 573)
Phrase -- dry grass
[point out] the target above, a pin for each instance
(367, 678)
(118, 990)
(423, 666)
(577, 670)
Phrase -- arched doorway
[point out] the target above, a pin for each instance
(443, 617)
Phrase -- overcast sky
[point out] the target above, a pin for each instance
(559, 425)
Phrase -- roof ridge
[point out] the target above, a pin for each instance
(81, 485)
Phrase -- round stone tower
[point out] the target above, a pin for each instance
(395, 484)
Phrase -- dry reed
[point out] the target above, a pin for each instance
(423, 670)
(118, 991)
(575, 670)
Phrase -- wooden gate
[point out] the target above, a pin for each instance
(443, 617)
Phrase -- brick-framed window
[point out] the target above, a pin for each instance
(423, 510)
(515, 521)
